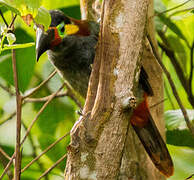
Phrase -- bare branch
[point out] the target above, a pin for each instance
(4, 153)
(190, 176)
(7, 90)
(45, 151)
(184, 81)
(154, 105)
(4, 19)
(40, 164)
(4, 159)
(8, 118)
(189, 125)
(40, 111)
(40, 85)
(181, 11)
(43, 99)
(8, 166)
(182, 4)
(12, 22)
(53, 166)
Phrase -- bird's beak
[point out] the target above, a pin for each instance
(42, 42)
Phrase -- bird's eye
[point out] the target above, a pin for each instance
(63, 29)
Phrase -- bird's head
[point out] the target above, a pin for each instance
(61, 27)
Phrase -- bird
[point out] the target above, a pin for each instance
(71, 45)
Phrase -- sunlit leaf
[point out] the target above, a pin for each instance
(183, 162)
(172, 26)
(159, 6)
(25, 58)
(178, 47)
(175, 119)
(43, 17)
(18, 46)
(9, 6)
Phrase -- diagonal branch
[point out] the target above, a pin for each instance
(168, 10)
(40, 85)
(189, 125)
(4, 19)
(44, 152)
(179, 71)
(40, 111)
(53, 166)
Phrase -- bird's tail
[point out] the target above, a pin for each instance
(151, 139)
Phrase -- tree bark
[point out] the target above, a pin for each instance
(103, 143)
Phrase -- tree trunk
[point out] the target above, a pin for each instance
(103, 143)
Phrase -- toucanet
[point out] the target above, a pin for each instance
(70, 45)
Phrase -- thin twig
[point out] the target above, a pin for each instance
(45, 151)
(156, 104)
(7, 90)
(34, 151)
(40, 111)
(18, 121)
(12, 22)
(157, 57)
(8, 118)
(182, 4)
(40, 85)
(8, 166)
(30, 127)
(53, 166)
(4, 159)
(43, 99)
(4, 19)
(189, 177)
(181, 11)
(179, 71)
(4, 154)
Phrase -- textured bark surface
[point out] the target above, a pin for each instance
(103, 144)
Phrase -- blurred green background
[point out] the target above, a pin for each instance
(59, 116)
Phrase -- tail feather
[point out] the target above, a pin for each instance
(151, 139)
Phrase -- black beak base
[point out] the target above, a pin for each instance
(42, 42)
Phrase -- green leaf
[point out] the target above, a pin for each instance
(167, 21)
(18, 46)
(159, 6)
(178, 47)
(43, 17)
(60, 4)
(175, 120)
(9, 7)
(53, 114)
(72, 11)
(25, 58)
(183, 162)
(180, 138)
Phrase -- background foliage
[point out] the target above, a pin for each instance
(58, 118)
